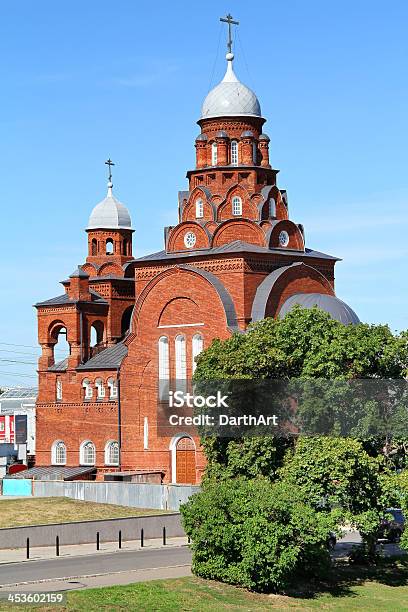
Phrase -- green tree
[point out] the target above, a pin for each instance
(256, 534)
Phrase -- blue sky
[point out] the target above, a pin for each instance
(82, 81)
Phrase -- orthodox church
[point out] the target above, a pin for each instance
(234, 257)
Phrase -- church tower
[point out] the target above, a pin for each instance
(233, 258)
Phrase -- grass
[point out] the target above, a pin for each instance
(350, 589)
(45, 510)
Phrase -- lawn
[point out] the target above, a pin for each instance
(45, 510)
(382, 588)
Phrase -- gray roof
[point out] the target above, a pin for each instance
(108, 359)
(79, 273)
(53, 472)
(247, 134)
(264, 137)
(331, 304)
(64, 299)
(109, 214)
(20, 392)
(227, 302)
(202, 137)
(237, 246)
(230, 98)
(61, 366)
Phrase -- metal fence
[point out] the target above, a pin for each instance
(135, 495)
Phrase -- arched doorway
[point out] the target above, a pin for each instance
(183, 460)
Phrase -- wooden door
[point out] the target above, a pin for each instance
(185, 461)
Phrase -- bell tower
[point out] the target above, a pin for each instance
(109, 230)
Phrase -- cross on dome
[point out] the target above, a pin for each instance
(230, 98)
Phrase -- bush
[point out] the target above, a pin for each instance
(256, 534)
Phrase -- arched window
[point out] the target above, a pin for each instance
(236, 206)
(198, 345)
(58, 453)
(164, 370)
(87, 453)
(100, 388)
(96, 336)
(199, 209)
(272, 208)
(214, 154)
(94, 247)
(112, 453)
(109, 246)
(58, 389)
(59, 342)
(255, 153)
(113, 388)
(126, 320)
(125, 247)
(88, 391)
(234, 153)
(181, 362)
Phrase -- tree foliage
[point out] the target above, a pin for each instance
(256, 534)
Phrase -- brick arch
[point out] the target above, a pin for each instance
(239, 229)
(53, 330)
(273, 193)
(188, 213)
(284, 282)
(89, 269)
(110, 268)
(175, 240)
(295, 235)
(249, 208)
(217, 301)
(180, 309)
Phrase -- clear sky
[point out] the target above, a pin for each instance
(85, 80)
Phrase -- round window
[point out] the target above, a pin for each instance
(283, 239)
(190, 239)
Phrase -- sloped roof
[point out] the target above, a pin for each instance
(236, 246)
(64, 299)
(61, 366)
(108, 359)
(20, 392)
(53, 472)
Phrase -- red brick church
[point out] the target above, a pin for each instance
(234, 257)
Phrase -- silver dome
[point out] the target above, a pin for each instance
(230, 98)
(337, 309)
(109, 214)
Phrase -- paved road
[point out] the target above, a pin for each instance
(102, 563)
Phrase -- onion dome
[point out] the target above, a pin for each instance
(109, 214)
(264, 137)
(202, 137)
(331, 304)
(230, 98)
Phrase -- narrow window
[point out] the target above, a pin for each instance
(109, 246)
(94, 247)
(88, 392)
(214, 154)
(234, 153)
(58, 453)
(87, 453)
(112, 453)
(199, 209)
(100, 388)
(113, 388)
(236, 206)
(198, 344)
(146, 433)
(181, 362)
(164, 370)
(59, 389)
(255, 153)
